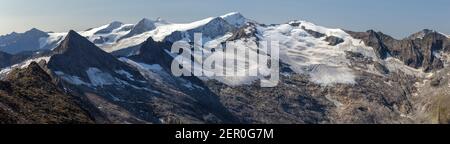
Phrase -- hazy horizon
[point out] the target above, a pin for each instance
(398, 18)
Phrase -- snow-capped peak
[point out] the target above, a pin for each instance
(235, 18)
(109, 28)
(152, 23)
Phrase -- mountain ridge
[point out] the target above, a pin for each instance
(328, 75)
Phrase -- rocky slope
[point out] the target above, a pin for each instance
(7, 59)
(29, 96)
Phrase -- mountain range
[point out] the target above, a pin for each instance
(120, 73)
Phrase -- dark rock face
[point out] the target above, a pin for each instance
(417, 53)
(28, 96)
(295, 24)
(152, 52)
(381, 68)
(8, 59)
(314, 33)
(375, 40)
(334, 40)
(18, 42)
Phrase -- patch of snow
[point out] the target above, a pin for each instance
(93, 30)
(217, 41)
(327, 31)
(99, 78)
(191, 86)
(394, 65)
(109, 39)
(125, 73)
(54, 39)
(326, 75)
(124, 83)
(448, 36)
(28, 62)
(154, 72)
(235, 80)
(153, 67)
(325, 64)
(75, 80)
(161, 32)
(5, 71)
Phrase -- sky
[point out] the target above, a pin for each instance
(398, 18)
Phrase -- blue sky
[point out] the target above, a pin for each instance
(396, 17)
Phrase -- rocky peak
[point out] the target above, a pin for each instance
(146, 24)
(153, 52)
(421, 34)
(75, 55)
(75, 42)
(32, 76)
(34, 30)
